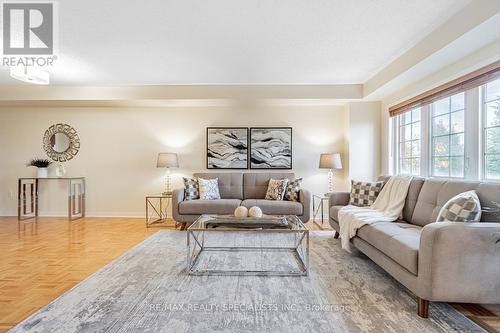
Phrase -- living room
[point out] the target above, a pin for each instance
(198, 171)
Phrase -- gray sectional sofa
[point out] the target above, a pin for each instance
(437, 261)
(240, 189)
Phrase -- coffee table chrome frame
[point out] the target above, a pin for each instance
(196, 246)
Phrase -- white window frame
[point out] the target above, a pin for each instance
(482, 132)
(473, 144)
(430, 137)
(398, 142)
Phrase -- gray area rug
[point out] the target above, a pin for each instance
(147, 290)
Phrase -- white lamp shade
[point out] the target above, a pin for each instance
(167, 160)
(330, 161)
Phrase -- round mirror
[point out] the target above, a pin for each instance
(61, 142)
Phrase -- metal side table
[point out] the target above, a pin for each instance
(28, 195)
(319, 208)
(157, 206)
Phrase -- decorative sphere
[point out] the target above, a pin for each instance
(255, 212)
(241, 212)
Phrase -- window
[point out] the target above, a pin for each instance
(448, 136)
(450, 131)
(409, 142)
(491, 130)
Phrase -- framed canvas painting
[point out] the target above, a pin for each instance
(227, 148)
(271, 148)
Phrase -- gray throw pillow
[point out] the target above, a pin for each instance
(363, 194)
(293, 189)
(464, 207)
(191, 191)
(276, 189)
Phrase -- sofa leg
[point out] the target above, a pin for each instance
(336, 236)
(423, 307)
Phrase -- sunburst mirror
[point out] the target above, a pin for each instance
(61, 142)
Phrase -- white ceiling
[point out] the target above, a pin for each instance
(158, 42)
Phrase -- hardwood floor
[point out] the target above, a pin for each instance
(48, 257)
(44, 259)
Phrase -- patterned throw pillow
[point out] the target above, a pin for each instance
(191, 191)
(276, 189)
(293, 189)
(464, 207)
(209, 188)
(364, 193)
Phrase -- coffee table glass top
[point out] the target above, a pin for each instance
(205, 223)
(227, 245)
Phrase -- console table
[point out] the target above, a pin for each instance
(27, 197)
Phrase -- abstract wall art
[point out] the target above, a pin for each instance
(227, 148)
(271, 148)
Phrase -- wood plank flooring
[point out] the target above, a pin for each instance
(44, 259)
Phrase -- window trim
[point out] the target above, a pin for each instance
(474, 140)
(482, 132)
(431, 138)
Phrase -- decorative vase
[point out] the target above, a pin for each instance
(42, 172)
(60, 171)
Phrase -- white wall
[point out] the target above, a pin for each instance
(364, 140)
(119, 148)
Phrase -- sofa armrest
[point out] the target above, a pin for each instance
(339, 199)
(460, 262)
(177, 198)
(305, 200)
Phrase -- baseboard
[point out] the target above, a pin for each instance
(87, 214)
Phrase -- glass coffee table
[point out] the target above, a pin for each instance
(226, 245)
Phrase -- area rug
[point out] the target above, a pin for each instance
(147, 290)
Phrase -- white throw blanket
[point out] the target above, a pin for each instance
(386, 208)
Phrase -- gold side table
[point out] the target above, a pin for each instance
(157, 206)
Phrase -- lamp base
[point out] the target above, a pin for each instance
(330, 181)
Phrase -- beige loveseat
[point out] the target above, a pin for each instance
(437, 261)
(240, 189)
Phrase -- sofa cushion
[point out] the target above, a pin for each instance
(412, 197)
(273, 207)
(255, 184)
(334, 212)
(400, 241)
(219, 206)
(434, 194)
(230, 184)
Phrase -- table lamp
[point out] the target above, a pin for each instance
(330, 161)
(168, 161)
